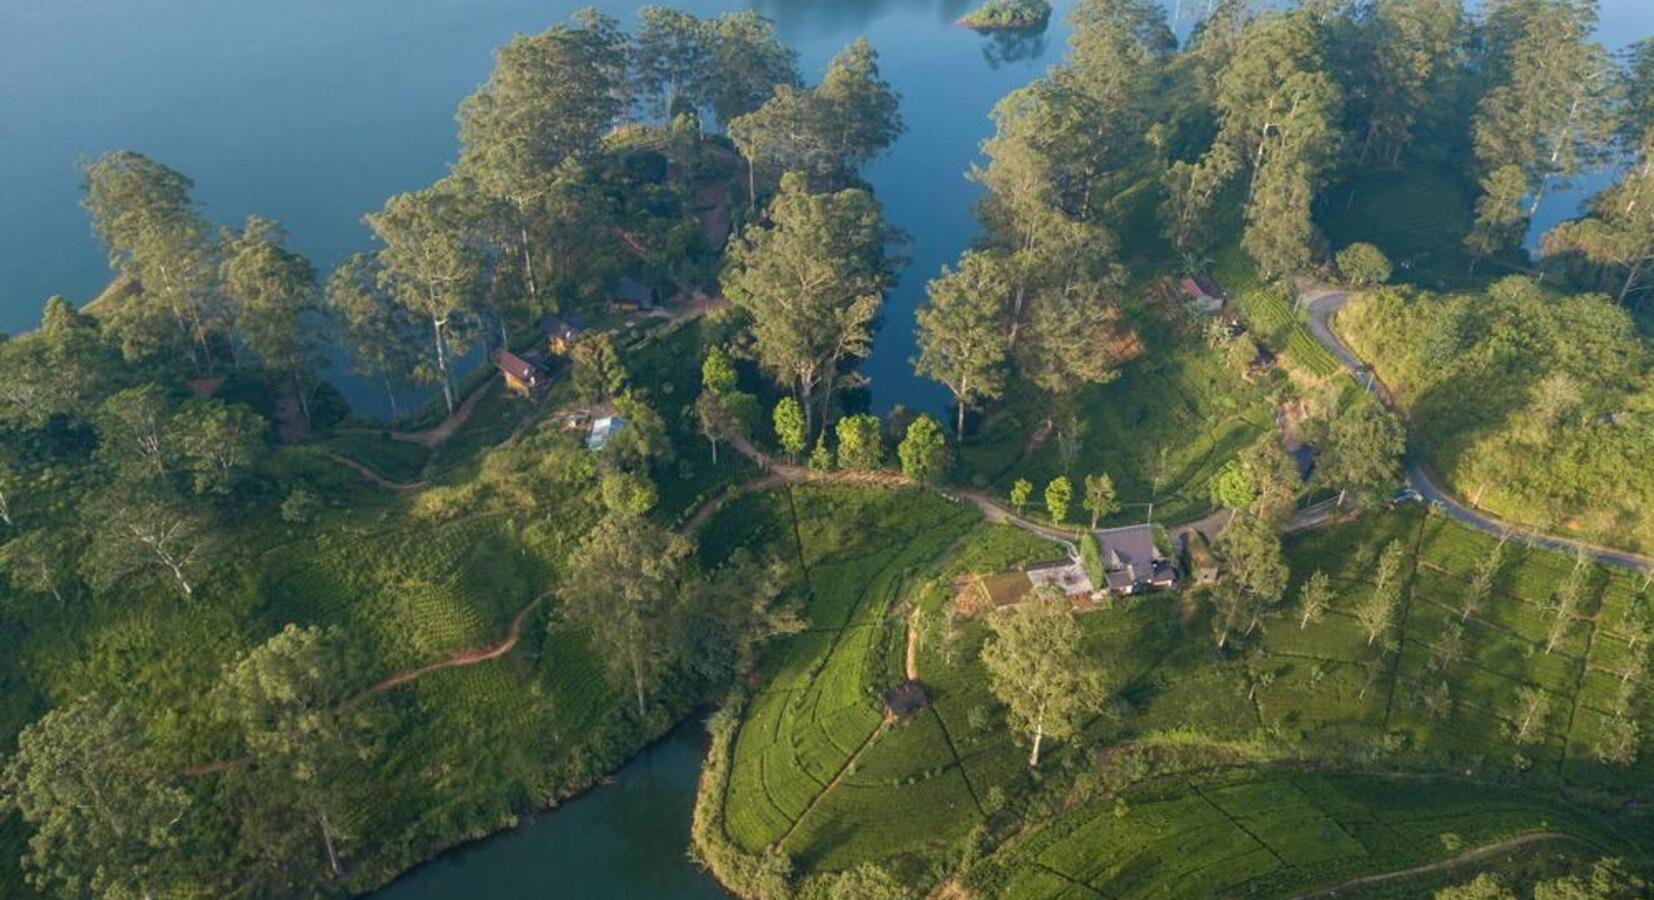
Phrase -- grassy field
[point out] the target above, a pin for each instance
(394, 459)
(1175, 415)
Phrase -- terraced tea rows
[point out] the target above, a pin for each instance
(819, 703)
(1269, 834)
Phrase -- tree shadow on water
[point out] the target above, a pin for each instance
(1014, 46)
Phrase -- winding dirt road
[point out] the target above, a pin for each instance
(437, 434)
(467, 657)
(1323, 302)
(1463, 858)
(375, 477)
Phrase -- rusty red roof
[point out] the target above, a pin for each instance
(517, 367)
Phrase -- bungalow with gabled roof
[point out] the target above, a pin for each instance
(1201, 292)
(629, 293)
(521, 376)
(1133, 562)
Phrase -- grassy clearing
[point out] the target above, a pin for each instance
(394, 459)
(1417, 216)
(1173, 417)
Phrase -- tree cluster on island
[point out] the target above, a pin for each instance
(1001, 15)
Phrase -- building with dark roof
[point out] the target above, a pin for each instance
(630, 293)
(905, 699)
(1133, 562)
(560, 333)
(521, 376)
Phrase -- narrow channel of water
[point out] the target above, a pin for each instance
(625, 839)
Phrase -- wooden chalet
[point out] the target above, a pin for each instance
(521, 376)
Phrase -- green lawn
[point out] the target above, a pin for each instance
(394, 459)
(1174, 415)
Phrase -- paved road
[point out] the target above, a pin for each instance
(1323, 302)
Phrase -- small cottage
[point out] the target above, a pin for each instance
(905, 699)
(560, 334)
(521, 376)
(630, 294)
(1203, 280)
(1201, 292)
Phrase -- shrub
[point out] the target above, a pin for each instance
(860, 442)
(300, 506)
(1363, 265)
(924, 452)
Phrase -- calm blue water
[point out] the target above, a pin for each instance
(312, 112)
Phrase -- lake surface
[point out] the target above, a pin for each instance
(625, 839)
(312, 112)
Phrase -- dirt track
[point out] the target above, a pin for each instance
(1466, 857)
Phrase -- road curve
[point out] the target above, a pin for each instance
(1322, 302)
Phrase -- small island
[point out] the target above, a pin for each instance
(1008, 15)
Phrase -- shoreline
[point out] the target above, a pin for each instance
(535, 813)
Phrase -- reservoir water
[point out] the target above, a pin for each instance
(312, 112)
(623, 840)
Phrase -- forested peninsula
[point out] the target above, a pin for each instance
(1287, 531)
